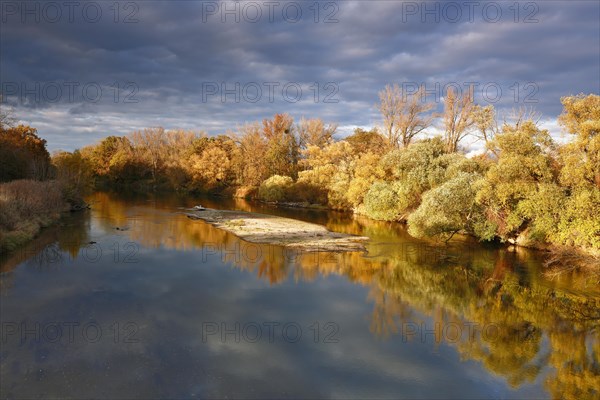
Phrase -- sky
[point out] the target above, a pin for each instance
(79, 71)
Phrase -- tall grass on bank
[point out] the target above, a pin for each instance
(26, 206)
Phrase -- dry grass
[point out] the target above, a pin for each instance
(26, 206)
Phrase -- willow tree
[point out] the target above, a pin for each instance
(522, 182)
(580, 172)
(450, 208)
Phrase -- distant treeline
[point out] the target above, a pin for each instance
(525, 188)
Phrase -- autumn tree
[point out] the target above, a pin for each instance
(178, 152)
(382, 201)
(448, 209)
(74, 172)
(71, 167)
(179, 145)
(363, 141)
(276, 188)
(366, 169)
(314, 132)
(512, 186)
(150, 146)
(23, 154)
(281, 157)
(113, 160)
(459, 117)
(487, 125)
(101, 154)
(212, 164)
(404, 114)
(327, 172)
(581, 158)
(408, 174)
(580, 174)
(253, 148)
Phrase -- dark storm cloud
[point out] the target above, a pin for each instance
(162, 68)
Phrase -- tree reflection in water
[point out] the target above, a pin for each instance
(508, 316)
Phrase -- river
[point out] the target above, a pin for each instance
(134, 300)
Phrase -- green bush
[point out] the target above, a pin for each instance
(337, 198)
(448, 209)
(276, 188)
(416, 159)
(419, 167)
(579, 220)
(514, 185)
(382, 202)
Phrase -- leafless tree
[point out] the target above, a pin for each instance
(404, 114)
(488, 126)
(459, 117)
(7, 118)
(519, 115)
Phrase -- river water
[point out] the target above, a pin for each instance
(133, 300)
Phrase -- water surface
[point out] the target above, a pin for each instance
(134, 300)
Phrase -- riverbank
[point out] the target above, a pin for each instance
(587, 260)
(26, 207)
(560, 259)
(274, 230)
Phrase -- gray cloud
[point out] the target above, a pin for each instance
(167, 60)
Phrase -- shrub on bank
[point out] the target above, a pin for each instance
(308, 193)
(26, 206)
(275, 188)
(448, 209)
(382, 202)
(579, 223)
